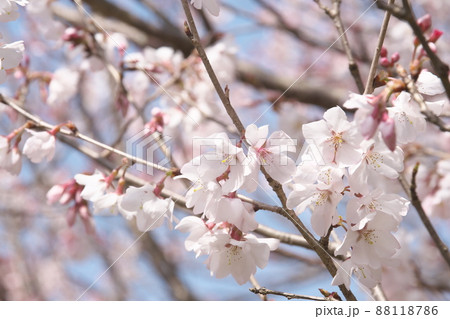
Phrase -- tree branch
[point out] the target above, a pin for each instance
(443, 249)
(264, 291)
(335, 15)
(376, 55)
(44, 125)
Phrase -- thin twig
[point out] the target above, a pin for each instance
(376, 55)
(443, 249)
(335, 15)
(289, 296)
(257, 286)
(195, 38)
(42, 124)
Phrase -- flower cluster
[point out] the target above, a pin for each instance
(142, 203)
(363, 169)
(40, 146)
(216, 176)
(229, 250)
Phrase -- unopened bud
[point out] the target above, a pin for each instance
(395, 57)
(384, 62)
(424, 22)
(383, 52)
(435, 35)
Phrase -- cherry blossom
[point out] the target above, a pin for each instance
(109, 202)
(372, 244)
(378, 165)
(71, 191)
(320, 189)
(95, 185)
(239, 257)
(63, 86)
(431, 88)
(10, 157)
(229, 250)
(63, 193)
(225, 164)
(48, 26)
(233, 211)
(363, 208)
(9, 10)
(212, 5)
(337, 139)
(39, 146)
(372, 115)
(149, 210)
(199, 237)
(10, 56)
(367, 275)
(272, 153)
(408, 119)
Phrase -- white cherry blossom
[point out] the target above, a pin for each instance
(10, 157)
(430, 86)
(95, 185)
(409, 122)
(378, 166)
(63, 86)
(9, 11)
(39, 146)
(337, 139)
(229, 250)
(200, 236)
(212, 5)
(108, 202)
(272, 153)
(320, 189)
(233, 211)
(363, 208)
(239, 257)
(367, 275)
(10, 56)
(149, 210)
(373, 244)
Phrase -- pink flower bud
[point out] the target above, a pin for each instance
(383, 52)
(395, 57)
(72, 34)
(435, 35)
(384, 62)
(54, 194)
(424, 22)
(158, 121)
